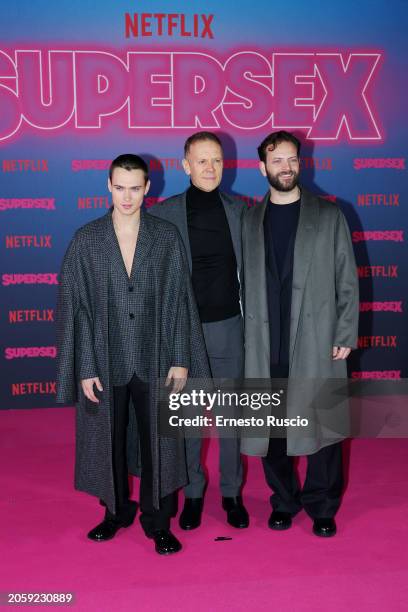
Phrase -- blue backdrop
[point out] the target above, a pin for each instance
(81, 83)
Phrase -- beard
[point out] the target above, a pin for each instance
(280, 184)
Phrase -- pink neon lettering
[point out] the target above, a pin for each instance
(198, 90)
(345, 101)
(104, 87)
(325, 93)
(249, 78)
(46, 87)
(152, 105)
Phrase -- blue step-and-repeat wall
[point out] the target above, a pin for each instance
(81, 82)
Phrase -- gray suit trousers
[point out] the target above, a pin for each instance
(224, 344)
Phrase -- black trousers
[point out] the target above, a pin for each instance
(320, 495)
(151, 518)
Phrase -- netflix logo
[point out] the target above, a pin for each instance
(378, 199)
(168, 24)
(25, 165)
(30, 241)
(93, 202)
(377, 342)
(165, 163)
(390, 271)
(31, 315)
(315, 163)
(34, 388)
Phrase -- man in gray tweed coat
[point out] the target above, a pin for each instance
(127, 317)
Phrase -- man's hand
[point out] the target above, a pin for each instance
(179, 378)
(340, 352)
(87, 387)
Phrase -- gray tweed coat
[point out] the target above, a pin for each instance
(84, 351)
(324, 313)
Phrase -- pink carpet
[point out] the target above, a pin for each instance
(44, 546)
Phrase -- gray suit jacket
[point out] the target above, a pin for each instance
(174, 210)
(324, 309)
(84, 348)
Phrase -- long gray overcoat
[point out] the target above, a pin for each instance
(83, 345)
(324, 311)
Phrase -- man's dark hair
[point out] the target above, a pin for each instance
(199, 137)
(129, 162)
(273, 140)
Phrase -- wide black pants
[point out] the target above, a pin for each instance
(320, 495)
(151, 518)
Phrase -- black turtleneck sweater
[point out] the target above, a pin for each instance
(214, 275)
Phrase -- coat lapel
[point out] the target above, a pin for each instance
(180, 220)
(144, 243)
(257, 345)
(270, 257)
(234, 224)
(111, 246)
(256, 260)
(302, 258)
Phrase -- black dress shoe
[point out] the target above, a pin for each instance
(280, 520)
(324, 527)
(190, 518)
(165, 542)
(237, 516)
(105, 530)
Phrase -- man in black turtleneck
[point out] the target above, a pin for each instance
(209, 222)
(214, 275)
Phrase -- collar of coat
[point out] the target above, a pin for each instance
(145, 240)
(305, 234)
(176, 206)
(305, 240)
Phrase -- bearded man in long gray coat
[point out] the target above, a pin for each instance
(127, 318)
(301, 322)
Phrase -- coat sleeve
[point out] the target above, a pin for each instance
(84, 343)
(75, 353)
(346, 281)
(181, 340)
